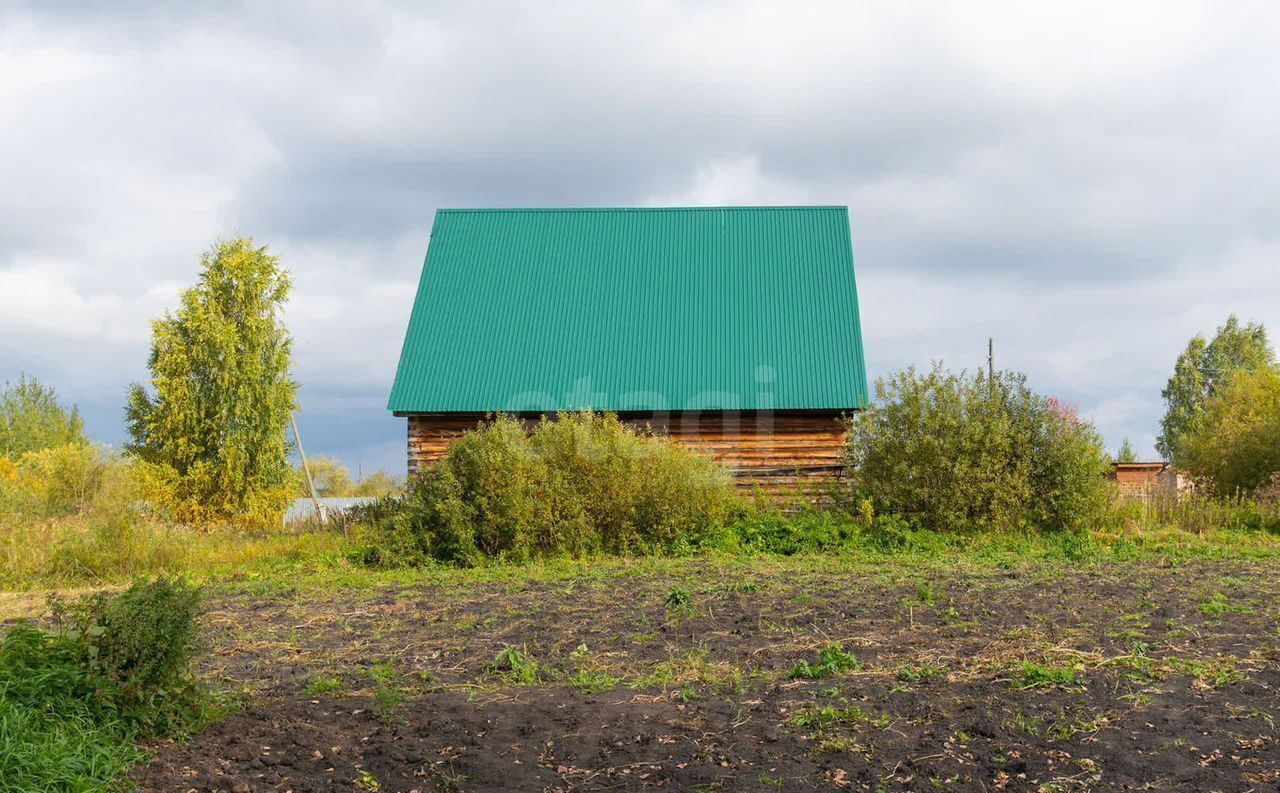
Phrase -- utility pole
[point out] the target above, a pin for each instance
(991, 366)
(306, 470)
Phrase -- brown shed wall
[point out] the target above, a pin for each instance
(775, 451)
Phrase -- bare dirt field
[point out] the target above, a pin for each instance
(707, 675)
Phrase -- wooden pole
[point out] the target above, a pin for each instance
(991, 359)
(306, 470)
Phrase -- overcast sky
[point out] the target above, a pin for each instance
(1091, 184)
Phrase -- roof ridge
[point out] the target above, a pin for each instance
(729, 207)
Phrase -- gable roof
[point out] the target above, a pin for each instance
(737, 308)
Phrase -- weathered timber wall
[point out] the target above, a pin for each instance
(777, 452)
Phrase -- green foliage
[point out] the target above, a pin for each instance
(1234, 445)
(1032, 675)
(1126, 454)
(678, 598)
(580, 484)
(213, 433)
(832, 659)
(135, 649)
(1200, 370)
(73, 700)
(67, 480)
(961, 452)
(516, 667)
(31, 419)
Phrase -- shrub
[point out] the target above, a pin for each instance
(72, 700)
(67, 480)
(580, 484)
(962, 452)
(135, 649)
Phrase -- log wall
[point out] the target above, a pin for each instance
(779, 452)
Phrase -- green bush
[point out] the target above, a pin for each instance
(117, 668)
(581, 484)
(135, 648)
(962, 452)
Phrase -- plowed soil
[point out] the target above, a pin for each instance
(1047, 677)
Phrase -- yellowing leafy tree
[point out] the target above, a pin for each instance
(212, 435)
(1201, 368)
(31, 419)
(1234, 447)
(333, 480)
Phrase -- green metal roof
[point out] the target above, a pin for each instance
(734, 308)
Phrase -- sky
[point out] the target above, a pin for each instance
(1090, 184)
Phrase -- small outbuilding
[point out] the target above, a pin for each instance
(1148, 480)
(733, 329)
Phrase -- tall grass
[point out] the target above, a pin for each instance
(79, 550)
(75, 515)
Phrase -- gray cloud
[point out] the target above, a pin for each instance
(1090, 184)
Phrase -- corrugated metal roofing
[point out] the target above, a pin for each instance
(746, 308)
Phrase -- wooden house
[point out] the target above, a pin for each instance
(733, 329)
(1148, 480)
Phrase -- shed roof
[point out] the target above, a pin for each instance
(635, 309)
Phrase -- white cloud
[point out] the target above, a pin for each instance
(1090, 183)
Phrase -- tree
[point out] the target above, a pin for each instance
(213, 432)
(1201, 369)
(1126, 453)
(31, 419)
(331, 478)
(960, 452)
(1234, 447)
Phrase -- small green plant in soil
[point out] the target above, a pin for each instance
(1219, 604)
(324, 684)
(445, 782)
(678, 598)
(514, 666)
(832, 659)
(592, 682)
(828, 716)
(1032, 675)
(388, 694)
(926, 594)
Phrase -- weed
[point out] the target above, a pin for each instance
(515, 667)
(926, 594)
(592, 682)
(1219, 604)
(1031, 675)
(366, 781)
(678, 598)
(832, 659)
(444, 782)
(828, 716)
(388, 695)
(324, 684)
